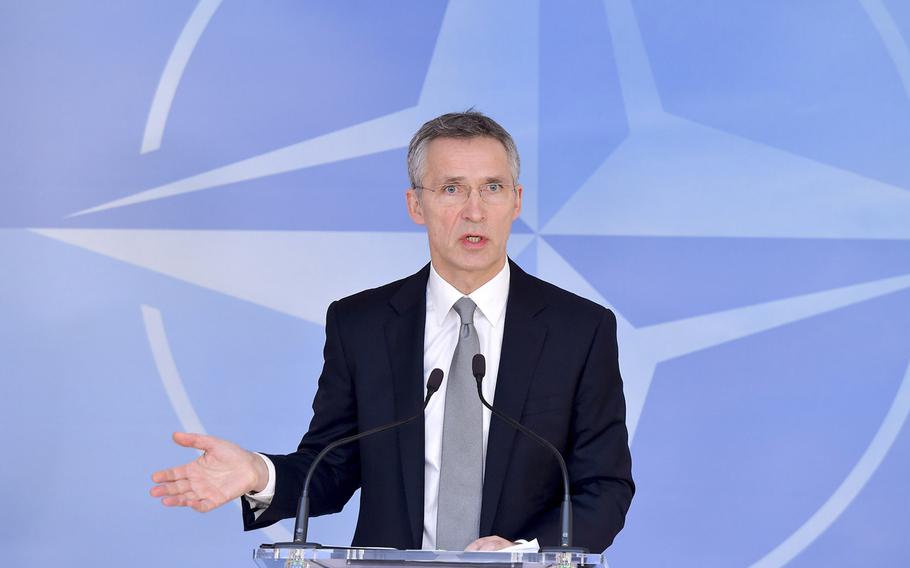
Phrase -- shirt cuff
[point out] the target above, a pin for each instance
(263, 499)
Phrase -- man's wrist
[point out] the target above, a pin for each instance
(260, 473)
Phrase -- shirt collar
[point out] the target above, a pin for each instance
(490, 298)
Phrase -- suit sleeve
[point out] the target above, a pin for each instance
(598, 457)
(334, 416)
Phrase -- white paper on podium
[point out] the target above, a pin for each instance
(523, 546)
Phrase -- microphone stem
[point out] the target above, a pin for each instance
(303, 507)
(566, 509)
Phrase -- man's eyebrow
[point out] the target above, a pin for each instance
(461, 179)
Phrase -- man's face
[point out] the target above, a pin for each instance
(453, 228)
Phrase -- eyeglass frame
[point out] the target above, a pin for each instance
(470, 187)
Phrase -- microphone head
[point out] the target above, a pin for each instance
(435, 380)
(479, 366)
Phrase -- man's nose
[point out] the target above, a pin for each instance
(474, 208)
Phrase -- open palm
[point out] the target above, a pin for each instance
(224, 472)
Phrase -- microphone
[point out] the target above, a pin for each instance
(303, 507)
(479, 369)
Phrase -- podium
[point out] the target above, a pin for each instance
(277, 556)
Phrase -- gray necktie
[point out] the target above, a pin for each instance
(461, 473)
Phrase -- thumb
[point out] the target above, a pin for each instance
(192, 440)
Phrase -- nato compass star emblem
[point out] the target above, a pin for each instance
(724, 257)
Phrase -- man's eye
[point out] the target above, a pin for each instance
(494, 187)
(450, 189)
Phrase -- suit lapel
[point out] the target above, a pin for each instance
(404, 337)
(523, 339)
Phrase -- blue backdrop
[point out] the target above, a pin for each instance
(187, 185)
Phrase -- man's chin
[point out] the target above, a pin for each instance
(482, 265)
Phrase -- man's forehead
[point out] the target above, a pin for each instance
(459, 158)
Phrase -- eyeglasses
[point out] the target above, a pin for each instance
(491, 193)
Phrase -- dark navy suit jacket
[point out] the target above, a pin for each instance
(558, 375)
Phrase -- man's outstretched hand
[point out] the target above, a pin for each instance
(224, 472)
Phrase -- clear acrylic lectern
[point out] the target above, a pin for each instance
(277, 556)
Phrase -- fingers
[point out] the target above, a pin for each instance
(174, 488)
(488, 543)
(189, 440)
(190, 500)
(202, 505)
(172, 474)
(173, 501)
(182, 500)
(181, 495)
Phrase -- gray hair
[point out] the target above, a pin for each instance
(467, 124)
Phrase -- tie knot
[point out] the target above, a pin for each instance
(465, 308)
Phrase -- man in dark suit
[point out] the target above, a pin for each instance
(553, 364)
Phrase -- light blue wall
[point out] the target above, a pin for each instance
(184, 187)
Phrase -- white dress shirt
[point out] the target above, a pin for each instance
(439, 340)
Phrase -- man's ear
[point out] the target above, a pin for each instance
(517, 211)
(415, 208)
